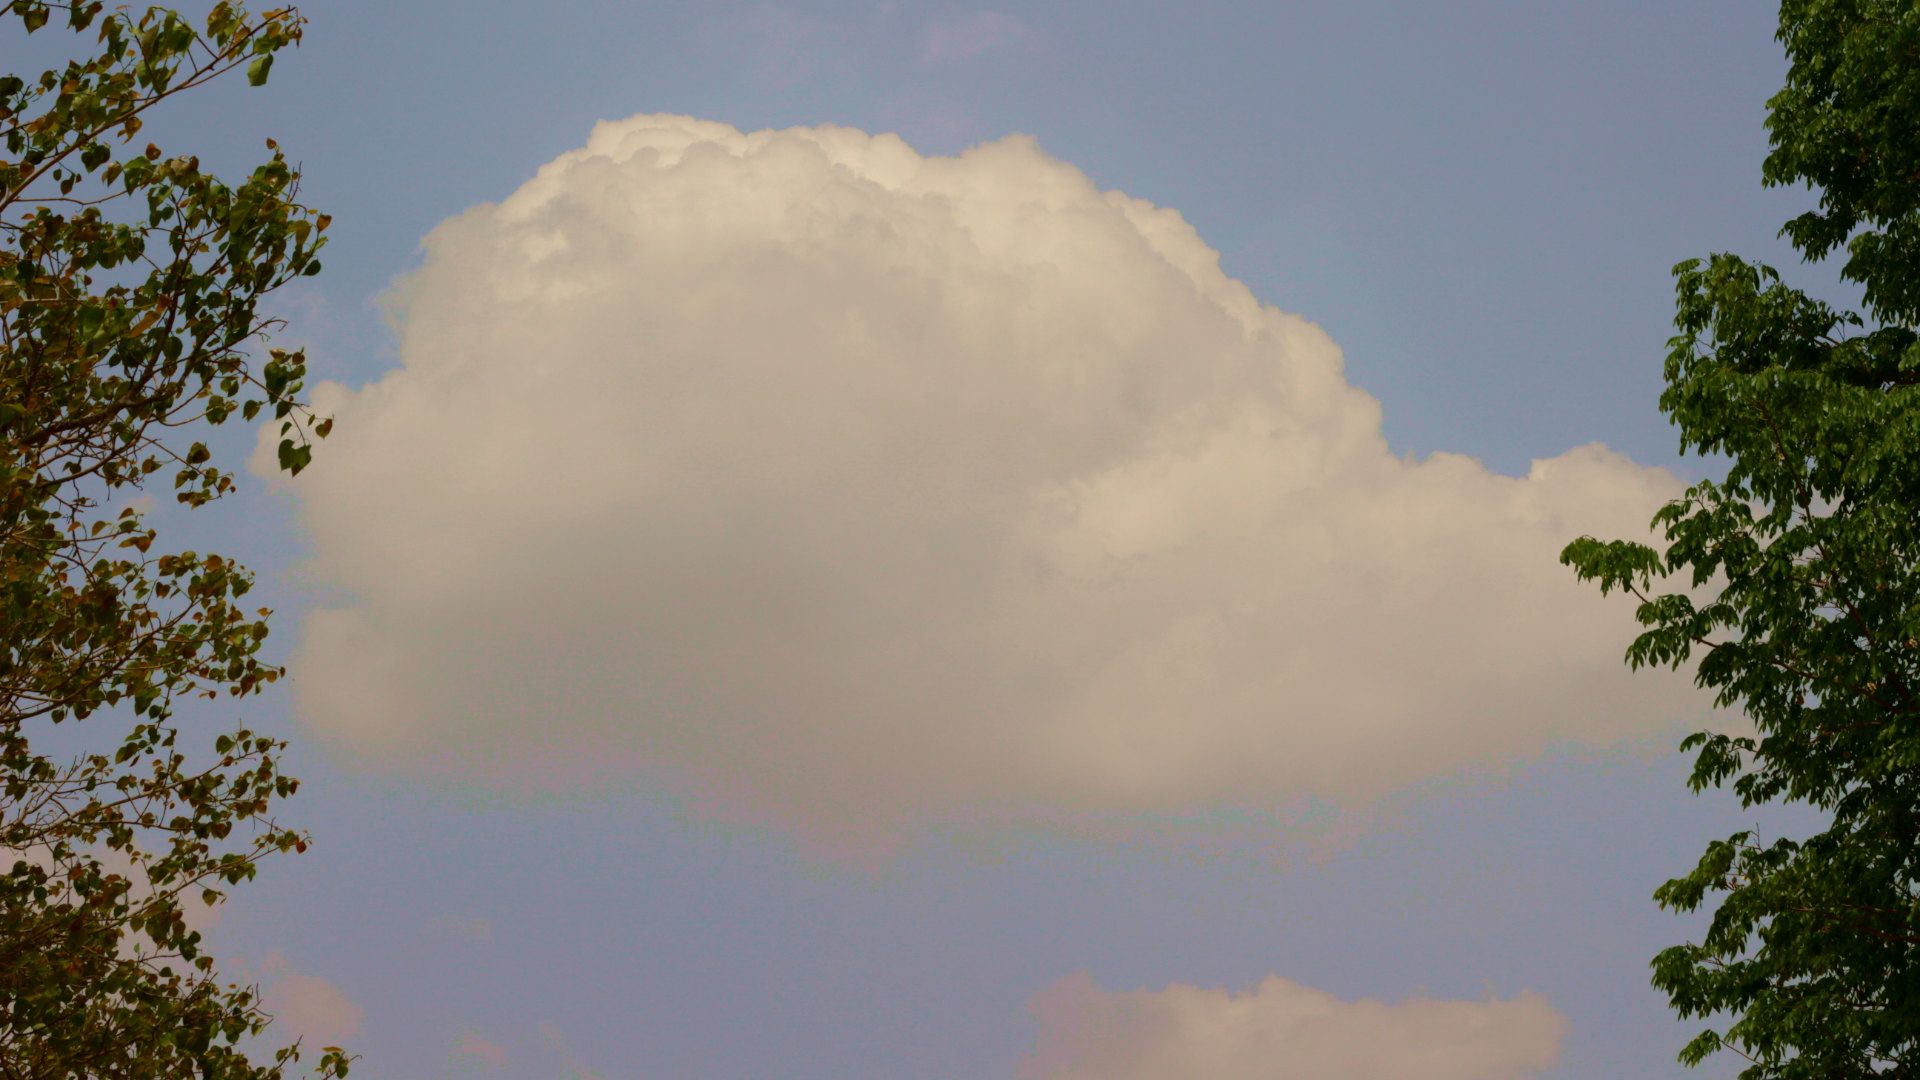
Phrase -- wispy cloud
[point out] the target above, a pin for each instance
(970, 37)
(574, 1069)
(460, 927)
(780, 47)
(307, 1007)
(472, 1052)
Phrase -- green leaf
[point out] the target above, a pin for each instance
(1797, 582)
(294, 458)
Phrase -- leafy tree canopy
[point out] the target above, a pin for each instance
(130, 292)
(1811, 965)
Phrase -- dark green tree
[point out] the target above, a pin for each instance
(130, 291)
(1802, 606)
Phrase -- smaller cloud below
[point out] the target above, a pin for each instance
(306, 1007)
(970, 37)
(1280, 1030)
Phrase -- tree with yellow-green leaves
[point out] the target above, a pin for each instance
(131, 284)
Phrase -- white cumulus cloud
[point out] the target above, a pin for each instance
(1280, 1030)
(857, 490)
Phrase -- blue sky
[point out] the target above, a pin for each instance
(1477, 202)
(1466, 195)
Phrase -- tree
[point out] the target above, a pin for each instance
(130, 291)
(1803, 606)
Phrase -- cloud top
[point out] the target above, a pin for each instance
(857, 490)
(1280, 1030)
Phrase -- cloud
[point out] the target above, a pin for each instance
(572, 1064)
(1280, 1030)
(307, 1007)
(469, 929)
(859, 490)
(778, 47)
(473, 1053)
(970, 37)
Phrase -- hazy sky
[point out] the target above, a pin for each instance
(891, 540)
